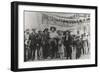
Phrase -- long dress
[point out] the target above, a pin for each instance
(53, 44)
(60, 46)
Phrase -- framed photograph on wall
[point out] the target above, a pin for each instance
(52, 36)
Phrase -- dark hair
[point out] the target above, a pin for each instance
(53, 28)
(33, 29)
(46, 29)
(67, 31)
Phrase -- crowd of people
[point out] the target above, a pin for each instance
(54, 44)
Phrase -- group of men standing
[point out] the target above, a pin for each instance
(54, 44)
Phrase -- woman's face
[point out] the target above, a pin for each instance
(52, 30)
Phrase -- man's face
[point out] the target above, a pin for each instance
(33, 32)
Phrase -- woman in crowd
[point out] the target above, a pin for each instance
(60, 44)
(53, 42)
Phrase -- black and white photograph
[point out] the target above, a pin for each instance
(56, 36)
(53, 36)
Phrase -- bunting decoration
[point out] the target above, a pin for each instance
(73, 20)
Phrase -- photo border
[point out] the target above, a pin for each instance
(14, 35)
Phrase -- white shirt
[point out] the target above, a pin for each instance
(53, 35)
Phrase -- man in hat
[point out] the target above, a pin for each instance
(85, 43)
(45, 43)
(32, 39)
(39, 44)
(78, 47)
(26, 45)
(68, 45)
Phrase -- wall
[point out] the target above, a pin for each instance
(5, 28)
(32, 19)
